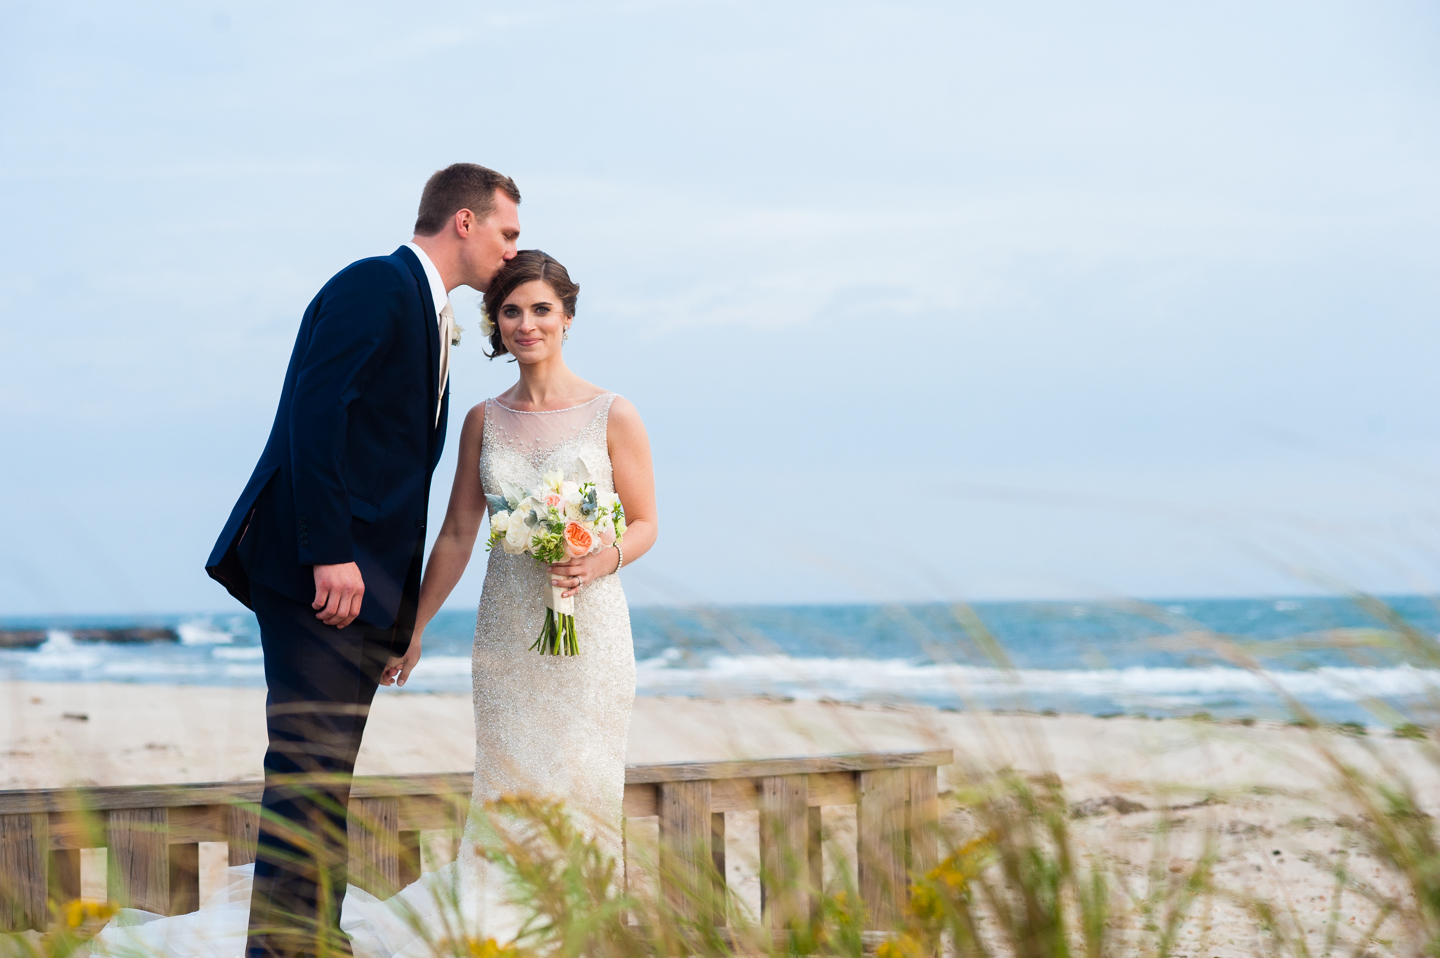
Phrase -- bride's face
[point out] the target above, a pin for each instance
(532, 322)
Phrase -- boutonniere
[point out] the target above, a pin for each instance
(455, 330)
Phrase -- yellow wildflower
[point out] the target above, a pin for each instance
(471, 947)
(924, 903)
(80, 910)
(902, 946)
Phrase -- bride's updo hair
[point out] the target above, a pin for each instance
(527, 266)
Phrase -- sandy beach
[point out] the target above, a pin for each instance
(1257, 793)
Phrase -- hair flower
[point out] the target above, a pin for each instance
(487, 325)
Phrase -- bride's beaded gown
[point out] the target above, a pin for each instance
(551, 726)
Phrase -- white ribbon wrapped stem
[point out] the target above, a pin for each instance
(553, 600)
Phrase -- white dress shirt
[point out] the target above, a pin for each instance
(444, 316)
(437, 285)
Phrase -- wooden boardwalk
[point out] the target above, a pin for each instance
(153, 832)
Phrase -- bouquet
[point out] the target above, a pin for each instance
(565, 517)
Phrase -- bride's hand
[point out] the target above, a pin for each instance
(397, 670)
(573, 573)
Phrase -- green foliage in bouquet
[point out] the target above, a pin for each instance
(566, 516)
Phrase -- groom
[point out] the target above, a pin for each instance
(326, 541)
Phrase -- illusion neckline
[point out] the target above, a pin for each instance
(542, 412)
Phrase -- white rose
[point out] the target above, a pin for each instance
(570, 490)
(499, 522)
(517, 537)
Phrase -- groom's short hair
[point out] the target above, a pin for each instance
(460, 186)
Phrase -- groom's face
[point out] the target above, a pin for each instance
(491, 243)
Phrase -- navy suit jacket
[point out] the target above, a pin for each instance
(345, 475)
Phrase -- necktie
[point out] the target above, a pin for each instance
(447, 329)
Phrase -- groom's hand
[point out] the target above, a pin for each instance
(338, 591)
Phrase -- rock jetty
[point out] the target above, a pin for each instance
(32, 638)
(22, 638)
(124, 635)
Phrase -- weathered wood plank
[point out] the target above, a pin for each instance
(832, 788)
(431, 813)
(199, 823)
(922, 826)
(242, 833)
(641, 801)
(139, 858)
(100, 800)
(184, 878)
(685, 848)
(408, 865)
(734, 795)
(880, 843)
(717, 862)
(24, 871)
(394, 786)
(374, 832)
(784, 855)
(815, 846)
(18, 801)
(799, 765)
(65, 875)
(75, 830)
(212, 793)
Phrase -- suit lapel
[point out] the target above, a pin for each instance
(432, 327)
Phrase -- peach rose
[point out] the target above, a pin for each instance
(578, 539)
(553, 500)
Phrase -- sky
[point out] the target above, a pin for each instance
(919, 301)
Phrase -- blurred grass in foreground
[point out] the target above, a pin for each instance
(1015, 876)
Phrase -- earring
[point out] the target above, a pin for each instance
(566, 333)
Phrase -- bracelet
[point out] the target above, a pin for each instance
(622, 557)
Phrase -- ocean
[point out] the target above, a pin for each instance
(1097, 658)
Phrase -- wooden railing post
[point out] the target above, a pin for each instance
(924, 819)
(880, 843)
(184, 878)
(717, 862)
(685, 848)
(139, 858)
(407, 866)
(65, 875)
(24, 871)
(242, 833)
(784, 851)
(815, 840)
(374, 832)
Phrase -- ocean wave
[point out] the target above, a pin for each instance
(441, 666)
(59, 652)
(202, 633)
(859, 678)
(243, 653)
(135, 669)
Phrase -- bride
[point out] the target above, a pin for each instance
(545, 725)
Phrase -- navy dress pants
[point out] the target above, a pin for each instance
(321, 682)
